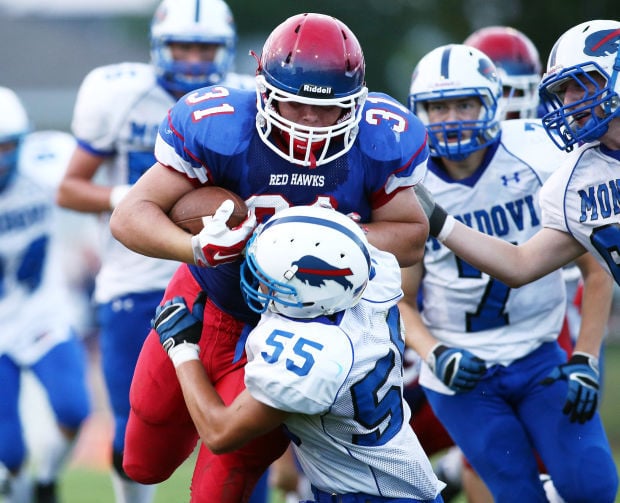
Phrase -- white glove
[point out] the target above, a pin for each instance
(217, 244)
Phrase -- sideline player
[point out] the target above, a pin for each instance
(310, 134)
(35, 306)
(117, 112)
(520, 70)
(580, 92)
(485, 345)
(325, 360)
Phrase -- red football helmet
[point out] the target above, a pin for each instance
(518, 65)
(311, 59)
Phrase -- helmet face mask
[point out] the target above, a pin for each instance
(454, 72)
(315, 60)
(208, 22)
(518, 66)
(586, 58)
(14, 125)
(306, 262)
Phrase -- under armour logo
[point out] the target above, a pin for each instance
(515, 177)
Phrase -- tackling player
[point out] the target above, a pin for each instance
(325, 360)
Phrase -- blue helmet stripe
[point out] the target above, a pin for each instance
(197, 19)
(445, 63)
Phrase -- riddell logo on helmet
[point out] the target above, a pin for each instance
(314, 90)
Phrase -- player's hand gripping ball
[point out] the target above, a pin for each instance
(189, 210)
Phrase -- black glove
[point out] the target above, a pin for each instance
(581, 372)
(179, 328)
(457, 368)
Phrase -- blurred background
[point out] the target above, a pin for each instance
(48, 46)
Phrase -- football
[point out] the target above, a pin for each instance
(188, 211)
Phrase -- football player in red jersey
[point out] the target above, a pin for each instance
(310, 134)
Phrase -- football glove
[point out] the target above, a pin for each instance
(216, 243)
(457, 368)
(581, 372)
(436, 214)
(179, 328)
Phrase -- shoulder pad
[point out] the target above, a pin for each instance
(216, 118)
(389, 131)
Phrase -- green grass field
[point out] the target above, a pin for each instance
(79, 485)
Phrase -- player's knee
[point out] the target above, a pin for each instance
(72, 418)
(596, 480)
(143, 473)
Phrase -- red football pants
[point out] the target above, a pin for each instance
(160, 433)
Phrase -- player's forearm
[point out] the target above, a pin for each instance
(82, 195)
(216, 424)
(405, 240)
(595, 309)
(491, 255)
(417, 336)
(144, 228)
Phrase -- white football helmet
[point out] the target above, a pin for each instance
(192, 21)
(453, 72)
(311, 59)
(14, 125)
(518, 66)
(304, 262)
(584, 50)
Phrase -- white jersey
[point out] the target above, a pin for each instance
(583, 199)
(466, 308)
(35, 308)
(341, 380)
(117, 113)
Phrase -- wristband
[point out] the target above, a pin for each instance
(117, 193)
(436, 220)
(445, 231)
(199, 257)
(184, 353)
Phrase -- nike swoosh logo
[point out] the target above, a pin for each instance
(223, 256)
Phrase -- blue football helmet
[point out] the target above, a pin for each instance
(454, 72)
(304, 262)
(311, 59)
(14, 125)
(192, 21)
(587, 50)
